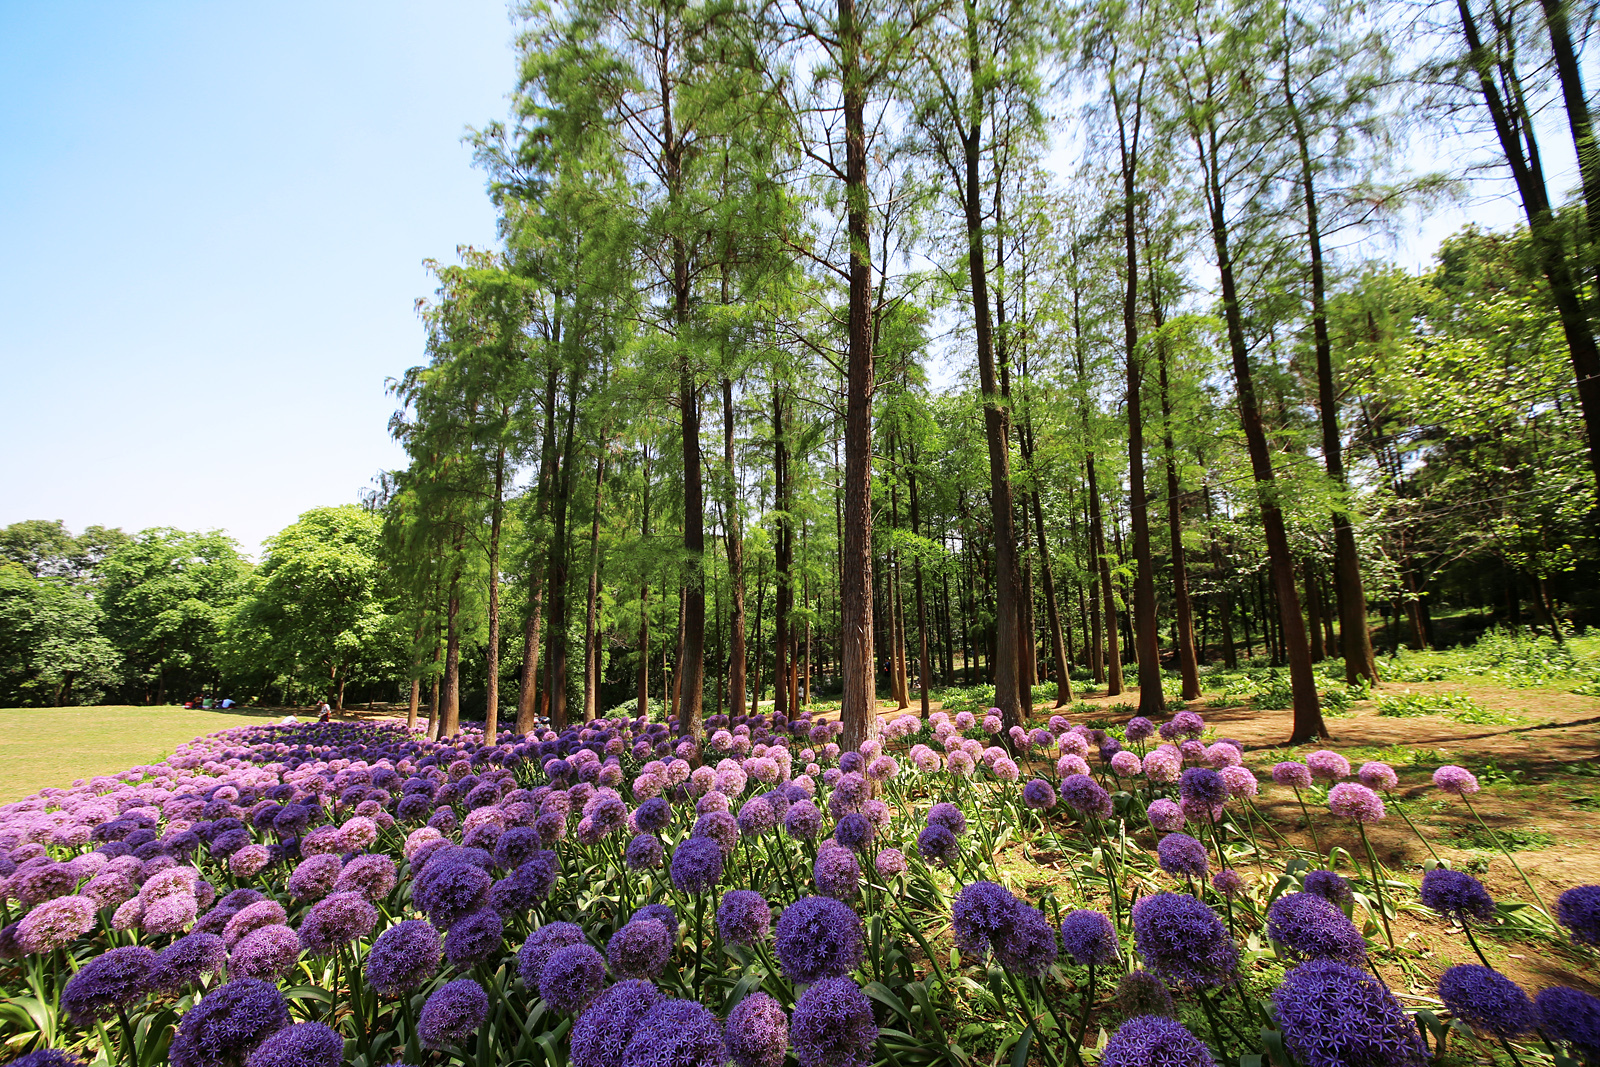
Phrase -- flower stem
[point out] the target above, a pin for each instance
(1377, 882)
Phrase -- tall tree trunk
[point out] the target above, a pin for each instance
(644, 595)
(1112, 654)
(735, 539)
(1308, 722)
(452, 657)
(561, 491)
(491, 714)
(1313, 609)
(858, 703)
(1058, 651)
(527, 693)
(1579, 122)
(783, 557)
(916, 577)
(1188, 661)
(591, 651)
(691, 662)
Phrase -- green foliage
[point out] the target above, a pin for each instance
(1515, 838)
(1508, 656)
(1456, 706)
(51, 648)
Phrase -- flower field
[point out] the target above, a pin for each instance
(615, 896)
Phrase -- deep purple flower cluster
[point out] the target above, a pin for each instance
(1487, 1001)
(1571, 1017)
(604, 1030)
(572, 977)
(227, 1024)
(1308, 927)
(833, 1026)
(696, 865)
(675, 1033)
(300, 1045)
(817, 938)
(403, 957)
(1335, 1015)
(1085, 796)
(452, 1014)
(1154, 1041)
(1183, 941)
(744, 917)
(936, 844)
(949, 816)
(1332, 888)
(1202, 785)
(1089, 938)
(639, 949)
(1182, 856)
(1456, 895)
(112, 981)
(183, 963)
(987, 917)
(474, 939)
(758, 1032)
(541, 945)
(1578, 909)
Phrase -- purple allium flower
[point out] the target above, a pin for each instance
(300, 1045)
(1487, 1001)
(1139, 729)
(1227, 882)
(757, 1034)
(1375, 775)
(854, 831)
(572, 977)
(984, 916)
(644, 852)
(49, 1057)
(817, 938)
(372, 875)
(336, 920)
(1457, 781)
(403, 957)
(675, 1033)
(744, 917)
(1332, 888)
(662, 914)
(1578, 909)
(315, 876)
(1089, 937)
(937, 843)
(1183, 941)
(639, 949)
(1355, 802)
(1240, 781)
(949, 816)
(1309, 927)
(1570, 1016)
(1142, 993)
(228, 1023)
(837, 873)
(253, 917)
(1182, 856)
(1292, 774)
(1038, 795)
(1183, 724)
(182, 963)
(112, 981)
(833, 1026)
(1165, 816)
(803, 820)
(696, 865)
(1203, 786)
(58, 922)
(604, 1030)
(1456, 895)
(1154, 1041)
(541, 945)
(1085, 796)
(1127, 764)
(268, 953)
(1029, 945)
(889, 862)
(756, 817)
(452, 1014)
(164, 915)
(1336, 1015)
(1162, 765)
(447, 890)
(475, 938)
(1326, 766)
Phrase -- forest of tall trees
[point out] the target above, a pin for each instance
(854, 349)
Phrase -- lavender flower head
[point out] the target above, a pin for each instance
(1089, 938)
(300, 1045)
(662, 914)
(1571, 1017)
(644, 852)
(803, 820)
(696, 865)
(541, 945)
(572, 977)
(1142, 993)
(949, 816)
(403, 957)
(314, 878)
(1487, 1001)
(1241, 782)
(1139, 729)
(603, 1031)
(758, 1032)
(854, 831)
(1335, 1015)
(937, 844)
(1578, 909)
(1311, 928)
(1456, 895)
(639, 949)
(817, 938)
(112, 981)
(1327, 766)
(1332, 888)
(1182, 856)
(1126, 764)
(837, 873)
(452, 1014)
(890, 863)
(1038, 796)
(59, 921)
(1154, 1041)
(336, 920)
(182, 963)
(268, 953)
(1228, 882)
(1165, 816)
(744, 917)
(1376, 775)
(675, 1033)
(228, 1023)
(1085, 796)
(1457, 781)
(1292, 774)
(1183, 941)
(1355, 802)
(833, 1026)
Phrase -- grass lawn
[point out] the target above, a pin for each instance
(42, 747)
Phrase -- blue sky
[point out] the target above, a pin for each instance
(212, 223)
(213, 218)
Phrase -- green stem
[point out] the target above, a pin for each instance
(1496, 839)
(1394, 805)
(1309, 824)
(1377, 882)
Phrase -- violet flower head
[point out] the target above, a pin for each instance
(1085, 796)
(183, 963)
(300, 1045)
(1311, 928)
(1182, 856)
(1327, 766)
(758, 1032)
(1376, 775)
(675, 1033)
(949, 816)
(1228, 882)
(744, 917)
(572, 977)
(1202, 785)
(1139, 729)
(1028, 945)
(1571, 1017)
(1089, 938)
(452, 1014)
(1456, 895)
(854, 831)
(837, 873)
(228, 1024)
(889, 863)
(644, 852)
(372, 875)
(1038, 795)
(639, 949)
(336, 920)
(1335, 1015)
(1356, 802)
(59, 921)
(404, 957)
(603, 1031)
(803, 820)
(1183, 941)
(1142, 993)
(112, 981)
(1487, 1001)
(474, 939)
(661, 913)
(1578, 909)
(1334, 889)
(696, 865)
(1292, 774)
(314, 878)
(49, 1057)
(833, 1026)
(937, 844)
(817, 938)
(541, 945)
(268, 953)
(1457, 781)
(253, 917)
(1154, 1041)
(1165, 816)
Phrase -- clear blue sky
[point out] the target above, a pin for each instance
(212, 222)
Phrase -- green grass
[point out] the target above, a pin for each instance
(1456, 706)
(42, 747)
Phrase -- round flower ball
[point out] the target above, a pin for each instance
(1456, 895)
(1376, 775)
(817, 938)
(1334, 1015)
(1182, 856)
(1089, 938)
(572, 977)
(403, 957)
(640, 949)
(228, 1024)
(1570, 1016)
(1292, 774)
(890, 863)
(1487, 1001)
(676, 1033)
(452, 1014)
(1165, 816)
(1334, 889)
(1578, 909)
(696, 865)
(758, 1032)
(1154, 1041)
(1356, 802)
(1457, 781)
(603, 1031)
(1183, 941)
(744, 917)
(112, 981)
(1309, 927)
(1037, 795)
(300, 1045)
(833, 1026)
